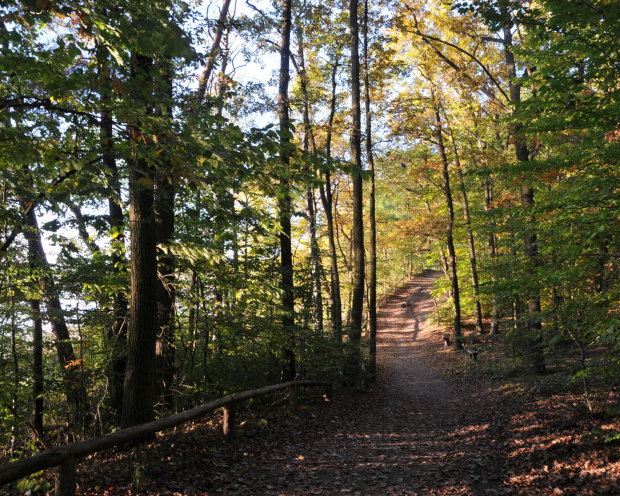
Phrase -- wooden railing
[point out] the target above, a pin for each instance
(65, 456)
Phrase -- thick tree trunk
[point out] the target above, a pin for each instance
(284, 202)
(458, 342)
(372, 276)
(138, 396)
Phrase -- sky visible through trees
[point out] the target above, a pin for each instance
(191, 193)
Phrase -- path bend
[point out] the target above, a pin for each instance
(414, 433)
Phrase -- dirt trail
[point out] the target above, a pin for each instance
(404, 322)
(414, 433)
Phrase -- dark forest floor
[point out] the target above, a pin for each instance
(426, 427)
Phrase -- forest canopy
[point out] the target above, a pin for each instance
(200, 198)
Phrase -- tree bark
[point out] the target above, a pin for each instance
(488, 207)
(470, 238)
(284, 202)
(309, 144)
(74, 387)
(534, 324)
(140, 372)
(327, 201)
(458, 342)
(372, 276)
(357, 300)
(117, 333)
(164, 227)
(37, 366)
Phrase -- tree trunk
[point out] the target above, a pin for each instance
(74, 387)
(309, 144)
(516, 300)
(534, 324)
(37, 366)
(117, 333)
(372, 276)
(193, 321)
(284, 202)
(470, 238)
(164, 227)
(458, 342)
(327, 201)
(217, 39)
(357, 301)
(138, 396)
(488, 207)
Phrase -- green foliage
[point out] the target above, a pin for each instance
(33, 484)
(601, 434)
(64, 67)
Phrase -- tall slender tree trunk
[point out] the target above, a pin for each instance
(117, 334)
(470, 237)
(516, 299)
(74, 387)
(327, 201)
(357, 297)
(488, 207)
(193, 321)
(534, 324)
(309, 144)
(284, 202)
(372, 276)
(217, 39)
(15, 357)
(458, 342)
(139, 390)
(164, 227)
(37, 366)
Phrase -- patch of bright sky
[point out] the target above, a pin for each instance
(249, 64)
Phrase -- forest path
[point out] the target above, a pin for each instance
(413, 433)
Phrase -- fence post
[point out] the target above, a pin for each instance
(229, 426)
(293, 394)
(65, 478)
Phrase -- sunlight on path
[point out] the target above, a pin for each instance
(403, 322)
(413, 433)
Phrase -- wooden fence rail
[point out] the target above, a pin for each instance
(65, 456)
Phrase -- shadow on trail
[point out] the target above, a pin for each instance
(414, 433)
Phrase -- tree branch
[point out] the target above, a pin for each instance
(9, 240)
(427, 39)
